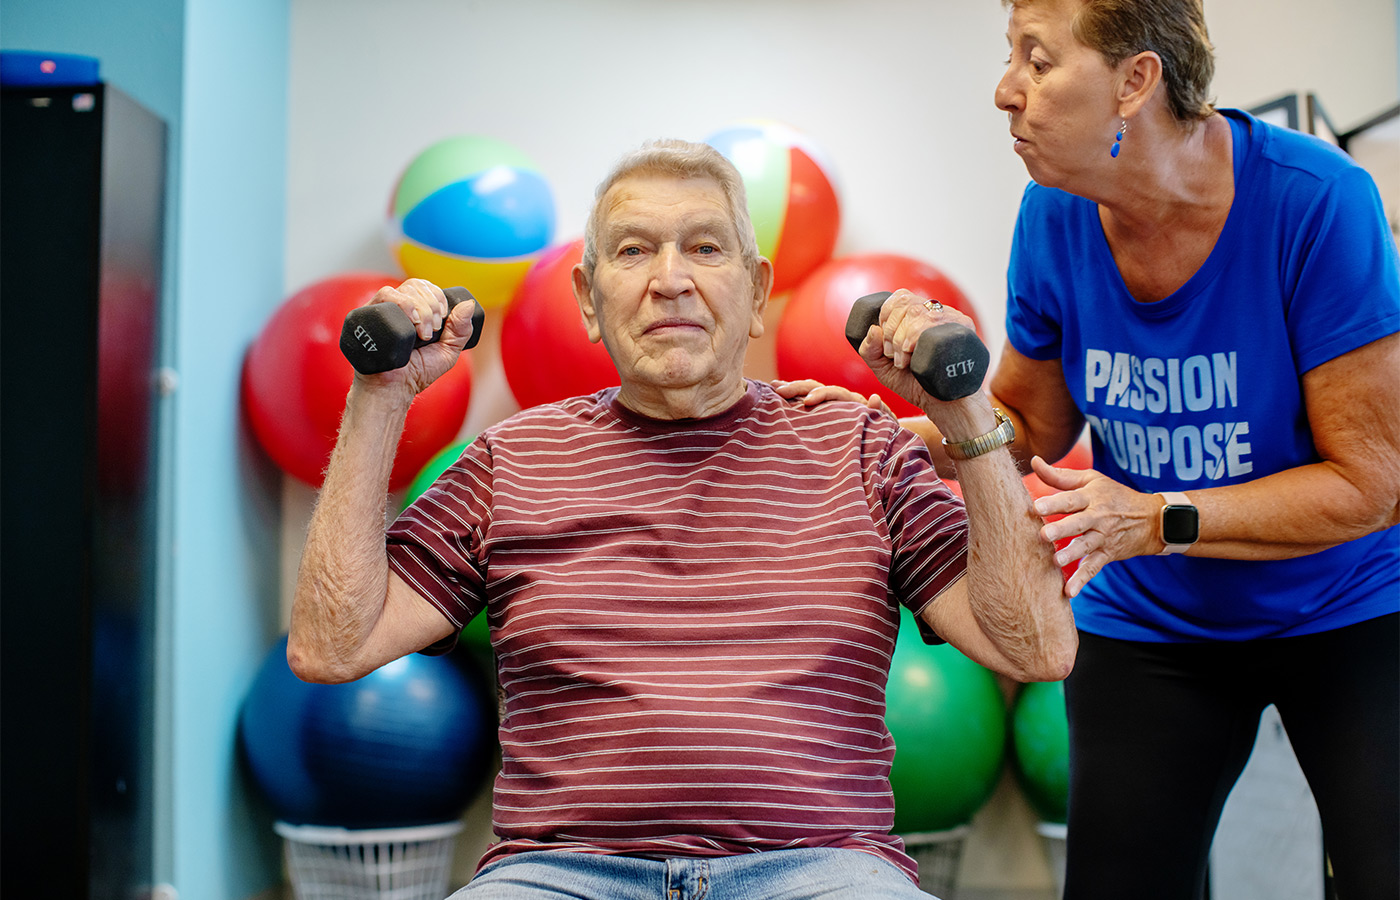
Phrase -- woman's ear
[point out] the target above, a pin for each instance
(1140, 76)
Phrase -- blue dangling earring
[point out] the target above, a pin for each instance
(1118, 139)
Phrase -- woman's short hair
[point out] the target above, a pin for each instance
(681, 159)
(1173, 29)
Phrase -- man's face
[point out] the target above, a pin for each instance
(671, 298)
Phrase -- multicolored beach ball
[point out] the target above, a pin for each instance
(471, 211)
(792, 196)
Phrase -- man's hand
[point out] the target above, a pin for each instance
(426, 307)
(888, 347)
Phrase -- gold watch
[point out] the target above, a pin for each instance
(1000, 436)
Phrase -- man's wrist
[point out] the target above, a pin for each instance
(964, 419)
(1001, 435)
(369, 392)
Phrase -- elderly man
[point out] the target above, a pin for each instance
(692, 582)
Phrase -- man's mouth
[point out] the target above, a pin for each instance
(669, 324)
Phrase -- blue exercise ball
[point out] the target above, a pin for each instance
(407, 744)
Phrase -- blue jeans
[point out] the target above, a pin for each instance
(819, 874)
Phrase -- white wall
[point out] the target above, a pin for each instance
(897, 92)
(924, 166)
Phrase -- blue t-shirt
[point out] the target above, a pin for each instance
(1203, 389)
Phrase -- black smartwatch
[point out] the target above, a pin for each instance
(1181, 524)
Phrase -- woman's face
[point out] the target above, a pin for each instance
(1059, 95)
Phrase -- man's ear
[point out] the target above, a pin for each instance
(762, 287)
(583, 295)
(1141, 76)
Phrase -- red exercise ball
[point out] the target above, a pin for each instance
(295, 380)
(544, 345)
(811, 340)
(1080, 456)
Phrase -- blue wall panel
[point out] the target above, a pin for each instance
(216, 72)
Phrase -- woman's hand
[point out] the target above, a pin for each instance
(814, 392)
(1106, 520)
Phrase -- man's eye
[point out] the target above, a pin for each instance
(706, 249)
(631, 251)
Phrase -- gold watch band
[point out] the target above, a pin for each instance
(1000, 436)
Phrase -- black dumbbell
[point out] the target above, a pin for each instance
(949, 361)
(380, 337)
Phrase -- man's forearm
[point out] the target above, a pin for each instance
(1015, 592)
(1015, 588)
(343, 578)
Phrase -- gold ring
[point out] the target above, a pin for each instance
(932, 305)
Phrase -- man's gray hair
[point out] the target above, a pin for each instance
(681, 159)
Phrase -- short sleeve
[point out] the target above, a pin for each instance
(1032, 320)
(928, 528)
(437, 544)
(1342, 280)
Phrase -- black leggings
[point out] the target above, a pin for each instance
(1159, 733)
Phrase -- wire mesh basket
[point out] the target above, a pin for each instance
(327, 863)
(939, 855)
(1053, 836)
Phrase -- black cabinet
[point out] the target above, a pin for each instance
(82, 185)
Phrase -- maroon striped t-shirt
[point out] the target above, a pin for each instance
(693, 621)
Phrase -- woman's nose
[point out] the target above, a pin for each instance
(1006, 95)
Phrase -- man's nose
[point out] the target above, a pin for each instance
(671, 274)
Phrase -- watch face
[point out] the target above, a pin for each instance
(1180, 524)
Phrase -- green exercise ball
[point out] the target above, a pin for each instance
(1040, 737)
(430, 472)
(948, 720)
(477, 633)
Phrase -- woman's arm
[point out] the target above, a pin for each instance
(1353, 408)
